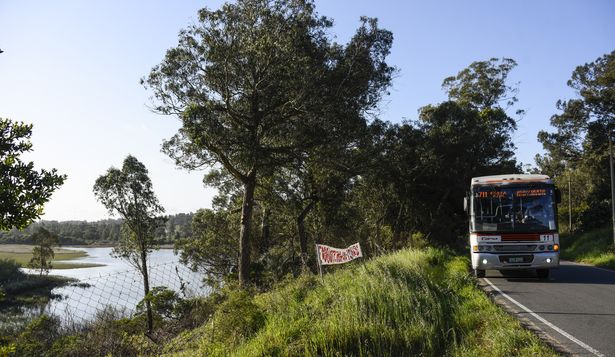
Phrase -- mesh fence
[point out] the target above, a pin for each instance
(80, 302)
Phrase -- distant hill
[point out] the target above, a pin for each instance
(105, 231)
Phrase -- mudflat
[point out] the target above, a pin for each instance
(22, 253)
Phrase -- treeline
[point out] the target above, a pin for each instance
(577, 152)
(105, 231)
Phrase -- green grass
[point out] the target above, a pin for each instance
(593, 247)
(407, 303)
(22, 253)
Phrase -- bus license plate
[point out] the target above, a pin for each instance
(515, 260)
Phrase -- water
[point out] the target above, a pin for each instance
(118, 284)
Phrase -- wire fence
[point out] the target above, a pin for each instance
(81, 302)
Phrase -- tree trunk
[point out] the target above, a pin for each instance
(148, 305)
(302, 235)
(397, 228)
(264, 246)
(244, 234)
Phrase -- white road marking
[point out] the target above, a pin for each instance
(541, 319)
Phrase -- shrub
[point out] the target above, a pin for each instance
(237, 318)
(38, 336)
(9, 271)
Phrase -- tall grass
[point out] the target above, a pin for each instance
(409, 303)
(594, 247)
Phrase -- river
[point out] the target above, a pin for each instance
(118, 284)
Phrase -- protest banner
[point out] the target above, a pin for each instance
(328, 255)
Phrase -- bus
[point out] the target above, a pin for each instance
(513, 223)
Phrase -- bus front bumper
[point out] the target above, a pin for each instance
(543, 260)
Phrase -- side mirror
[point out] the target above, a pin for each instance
(465, 204)
(558, 196)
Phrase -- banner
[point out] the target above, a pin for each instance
(329, 255)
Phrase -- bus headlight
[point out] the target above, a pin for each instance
(548, 260)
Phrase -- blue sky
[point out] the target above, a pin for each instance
(72, 68)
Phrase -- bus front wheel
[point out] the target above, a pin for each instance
(479, 273)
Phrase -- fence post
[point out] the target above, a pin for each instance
(319, 263)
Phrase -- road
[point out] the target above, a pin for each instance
(575, 307)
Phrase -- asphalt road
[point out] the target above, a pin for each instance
(575, 307)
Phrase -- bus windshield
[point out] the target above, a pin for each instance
(513, 209)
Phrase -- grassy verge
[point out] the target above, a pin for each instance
(22, 253)
(408, 303)
(593, 247)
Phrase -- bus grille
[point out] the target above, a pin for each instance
(514, 248)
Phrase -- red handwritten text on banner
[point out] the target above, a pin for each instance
(329, 255)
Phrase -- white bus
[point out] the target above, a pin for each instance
(513, 223)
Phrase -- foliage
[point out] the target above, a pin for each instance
(165, 302)
(23, 190)
(38, 336)
(43, 253)
(212, 248)
(9, 271)
(578, 148)
(408, 303)
(483, 84)
(259, 84)
(129, 193)
(593, 247)
(237, 318)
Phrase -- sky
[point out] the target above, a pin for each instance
(72, 69)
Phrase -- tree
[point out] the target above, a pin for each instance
(257, 84)
(483, 84)
(129, 193)
(210, 249)
(469, 135)
(43, 253)
(580, 145)
(23, 190)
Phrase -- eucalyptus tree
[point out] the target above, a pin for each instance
(468, 135)
(259, 83)
(583, 137)
(42, 253)
(23, 190)
(129, 193)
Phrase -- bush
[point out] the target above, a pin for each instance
(9, 271)
(38, 337)
(237, 318)
(165, 303)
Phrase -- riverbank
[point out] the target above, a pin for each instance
(22, 253)
(23, 296)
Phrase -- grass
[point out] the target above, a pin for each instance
(22, 253)
(408, 303)
(594, 247)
